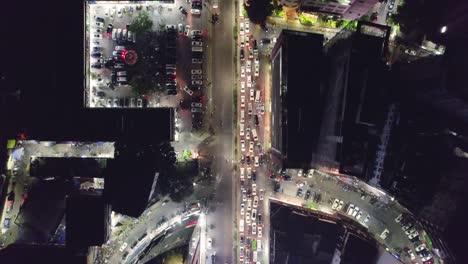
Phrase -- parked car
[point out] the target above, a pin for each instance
(187, 30)
(183, 11)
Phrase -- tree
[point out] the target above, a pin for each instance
(141, 23)
(417, 17)
(258, 10)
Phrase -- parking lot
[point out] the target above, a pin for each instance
(117, 58)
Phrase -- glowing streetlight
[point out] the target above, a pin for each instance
(443, 29)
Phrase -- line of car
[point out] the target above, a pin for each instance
(409, 226)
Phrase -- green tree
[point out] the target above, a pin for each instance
(259, 10)
(141, 23)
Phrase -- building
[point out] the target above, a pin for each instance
(296, 93)
(344, 9)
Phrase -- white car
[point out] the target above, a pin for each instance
(257, 72)
(359, 215)
(247, 27)
(252, 94)
(194, 243)
(122, 248)
(249, 84)
(254, 228)
(301, 184)
(251, 147)
(384, 234)
(196, 71)
(249, 172)
(249, 204)
(413, 235)
(242, 71)
(186, 89)
(356, 210)
(411, 254)
(244, 195)
(99, 24)
(247, 217)
(187, 30)
(242, 101)
(242, 210)
(259, 231)
(255, 201)
(399, 218)
(261, 194)
(209, 243)
(335, 204)
(242, 145)
(196, 32)
(256, 161)
(241, 28)
(340, 206)
(254, 189)
(97, 36)
(254, 214)
(350, 209)
(181, 28)
(420, 248)
(257, 61)
(242, 170)
(249, 66)
(366, 219)
(242, 87)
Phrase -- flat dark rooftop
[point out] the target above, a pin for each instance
(303, 56)
(67, 168)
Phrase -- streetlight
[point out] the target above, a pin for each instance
(443, 29)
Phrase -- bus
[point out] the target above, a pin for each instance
(257, 96)
(254, 134)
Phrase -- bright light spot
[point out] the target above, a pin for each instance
(443, 29)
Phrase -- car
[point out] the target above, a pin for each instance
(256, 163)
(350, 210)
(265, 41)
(299, 193)
(413, 235)
(99, 24)
(257, 72)
(301, 184)
(247, 216)
(389, 15)
(410, 231)
(335, 204)
(197, 82)
(6, 223)
(123, 246)
(196, 61)
(407, 226)
(183, 11)
(243, 105)
(196, 71)
(307, 195)
(359, 215)
(187, 90)
(196, 104)
(261, 193)
(254, 228)
(99, 19)
(124, 34)
(197, 110)
(254, 189)
(255, 200)
(209, 243)
(247, 27)
(96, 65)
(390, 6)
(121, 73)
(254, 214)
(242, 71)
(366, 219)
(242, 145)
(197, 43)
(242, 87)
(242, 54)
(411, 254)
(252, 94)
(356, 210)
(241, 28)
(241, 240)
(241, 253)
(187, 30)
(181, 28)
(196, 77)
(384, 234)
(420, 248)
(249, 66)
(96, 54)
(251, 147)
(249, 172)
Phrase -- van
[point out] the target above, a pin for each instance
(257, 96)
(241, 130)
(242, 116)
(200, 49)
(254, 134)
(259, 244)
(254, 257)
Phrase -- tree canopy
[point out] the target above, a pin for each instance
(141, 23)
(258, 10)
